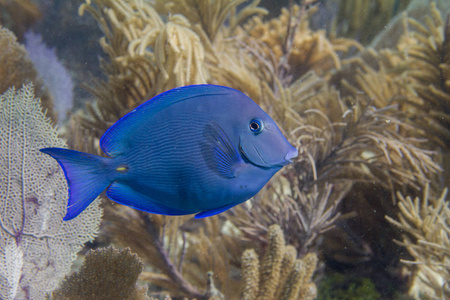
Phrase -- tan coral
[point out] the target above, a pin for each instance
(427, 238)
(415, 75)
(211, 15)
(273, 281)
(179, 55)
(106, 273)
(298, 47)
(427, 54)
(271, 263)
(250, 271)
(181, 252)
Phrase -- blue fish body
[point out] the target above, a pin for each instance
(198, 149)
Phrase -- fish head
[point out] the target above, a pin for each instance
(263, 143)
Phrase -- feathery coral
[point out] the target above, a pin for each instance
(147, 53)
(426, 223)
(211, 15)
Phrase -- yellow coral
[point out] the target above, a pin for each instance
(179, 55)
(250, 271)
(281, 275)
(271, 263)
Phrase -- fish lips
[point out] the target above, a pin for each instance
(293, 153)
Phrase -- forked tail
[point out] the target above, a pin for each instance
(86, 174)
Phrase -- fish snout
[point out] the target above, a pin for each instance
(293, 153)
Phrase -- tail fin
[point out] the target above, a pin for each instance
(86, 174)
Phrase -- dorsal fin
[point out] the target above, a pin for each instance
(113, 141)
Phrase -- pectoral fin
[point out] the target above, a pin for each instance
(219, 152)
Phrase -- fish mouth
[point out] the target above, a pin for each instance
(293, 153)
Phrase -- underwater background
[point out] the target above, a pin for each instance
(361, 88)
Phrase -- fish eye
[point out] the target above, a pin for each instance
(256, 126)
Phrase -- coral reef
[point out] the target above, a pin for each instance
(358, 116)
(106, 273)
(36, 246)
(371, 126)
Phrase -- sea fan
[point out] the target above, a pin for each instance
(36, 246)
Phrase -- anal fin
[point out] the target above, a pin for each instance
(214, 211)
(125, 195)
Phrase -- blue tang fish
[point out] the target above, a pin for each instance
(198, 149)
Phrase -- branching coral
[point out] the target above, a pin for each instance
(292, 46)
(415, 76)
(426, 224)
(279, 275)
(427, 52)
(412, 77)
(302, 215)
